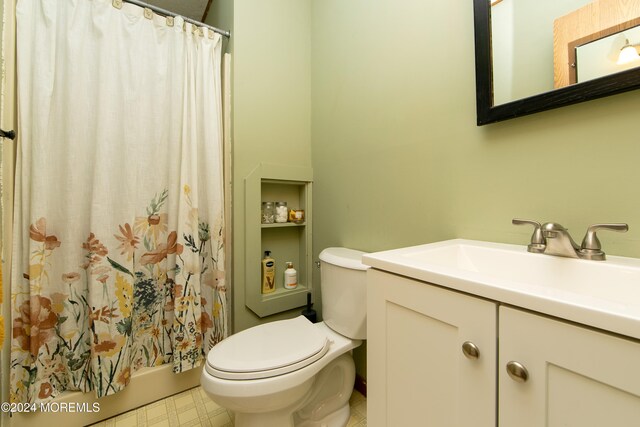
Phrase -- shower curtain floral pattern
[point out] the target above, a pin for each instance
(136, 278)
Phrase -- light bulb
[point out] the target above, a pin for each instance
(628, 54)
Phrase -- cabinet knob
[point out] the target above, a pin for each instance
(470, 350)
(517, 372)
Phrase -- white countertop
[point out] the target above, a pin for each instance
(600, 294)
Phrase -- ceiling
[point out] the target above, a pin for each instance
(194, 9)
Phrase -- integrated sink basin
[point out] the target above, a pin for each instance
(601, 294)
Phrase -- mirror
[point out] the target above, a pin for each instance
(531, 58)
(609, 54)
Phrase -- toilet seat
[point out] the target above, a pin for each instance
(268, 350)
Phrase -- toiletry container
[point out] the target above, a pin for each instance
(282, 212)
(268, 213)
(296, 216)
(290, 277)
(268, 273)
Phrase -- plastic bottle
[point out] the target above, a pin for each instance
(290, 277)
(268, 273)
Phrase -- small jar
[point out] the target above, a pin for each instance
(268, 213)
(296, 216)
(282, 212)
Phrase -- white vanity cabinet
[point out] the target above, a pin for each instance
(577, 377)
(417, 373)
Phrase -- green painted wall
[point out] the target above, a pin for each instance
(397, 156)
(399, 160)
(271, 91)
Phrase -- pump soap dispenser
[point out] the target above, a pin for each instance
(290, 277)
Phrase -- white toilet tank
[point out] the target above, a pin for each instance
(344, 291)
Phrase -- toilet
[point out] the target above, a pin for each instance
(293, 372)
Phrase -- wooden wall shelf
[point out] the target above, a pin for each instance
(288, 242)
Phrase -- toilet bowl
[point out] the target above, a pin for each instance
(294, 372)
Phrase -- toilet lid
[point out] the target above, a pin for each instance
(268, 350)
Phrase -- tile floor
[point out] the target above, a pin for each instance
(192, 408)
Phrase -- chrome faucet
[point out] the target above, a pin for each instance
(559, 241)
(553, 239)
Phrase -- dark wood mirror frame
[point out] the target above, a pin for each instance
(489, 113)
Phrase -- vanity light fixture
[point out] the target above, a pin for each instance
(628, 53)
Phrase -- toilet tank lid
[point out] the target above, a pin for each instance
(344, 257)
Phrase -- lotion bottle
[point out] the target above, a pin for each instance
(290, 277)
(268, 273)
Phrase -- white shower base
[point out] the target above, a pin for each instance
(146, 386)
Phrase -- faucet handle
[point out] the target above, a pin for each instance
(538, 242)
(591, 243)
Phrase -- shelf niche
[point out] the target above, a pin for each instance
(288, 242)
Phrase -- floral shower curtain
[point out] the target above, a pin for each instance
(119, 251)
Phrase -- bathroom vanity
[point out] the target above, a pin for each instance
(484, 334)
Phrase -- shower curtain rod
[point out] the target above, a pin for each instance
(166, 12)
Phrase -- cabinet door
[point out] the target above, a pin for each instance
(577, 377)
(417, 374)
